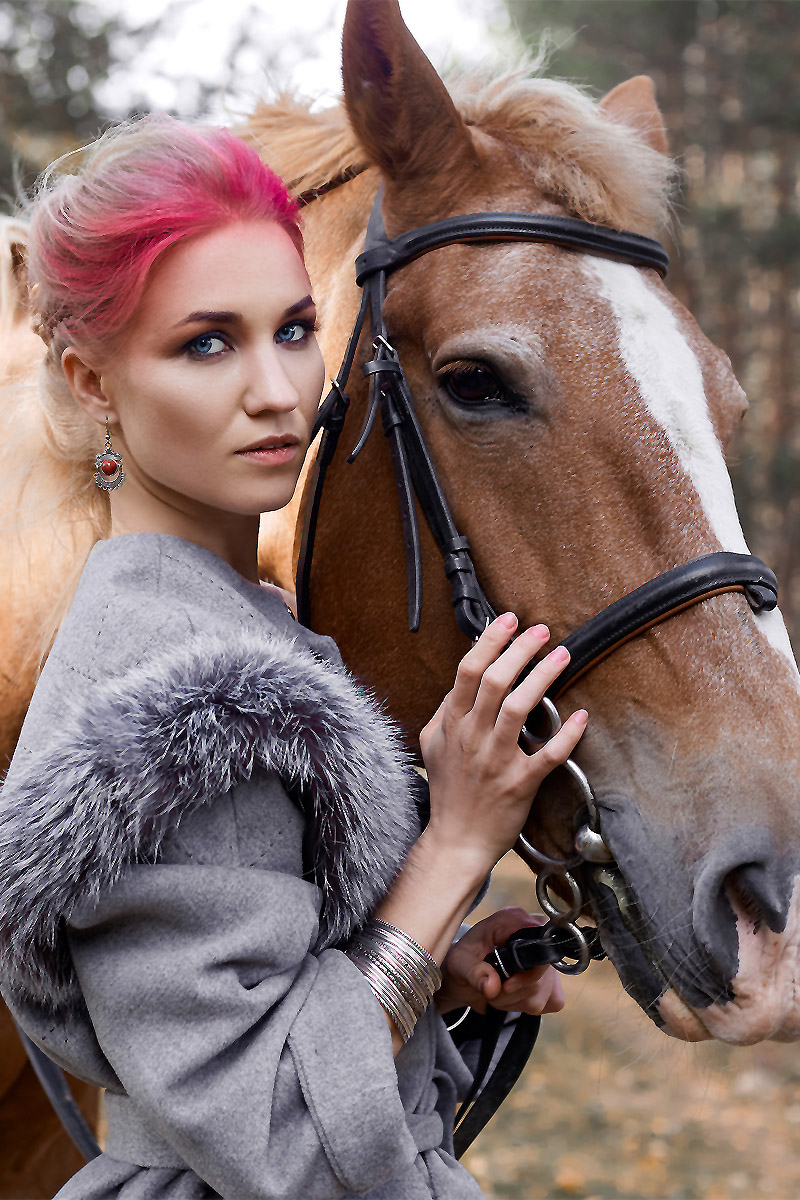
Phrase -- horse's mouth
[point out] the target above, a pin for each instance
(688, 999)
(646, 982)
(674, 997)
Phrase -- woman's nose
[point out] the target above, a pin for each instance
(269, 387)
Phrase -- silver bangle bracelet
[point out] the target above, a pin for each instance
(420, 984)
(415, 953)
(388, 995)
(401, 972)
(412, 992)
(459, 1020)
(390, 999)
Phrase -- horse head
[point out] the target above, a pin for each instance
(577, 417)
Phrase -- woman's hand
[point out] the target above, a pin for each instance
(482, 783)
(470, 980)
(482, 786)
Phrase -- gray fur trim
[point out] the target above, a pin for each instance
(170, 736)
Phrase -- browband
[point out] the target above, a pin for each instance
(386, 254)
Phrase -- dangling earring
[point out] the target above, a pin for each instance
(109, 474)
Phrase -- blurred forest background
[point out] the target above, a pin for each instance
(609, 1107)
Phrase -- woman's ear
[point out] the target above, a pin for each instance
(86, 386)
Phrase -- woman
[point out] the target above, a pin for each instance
(215, 898)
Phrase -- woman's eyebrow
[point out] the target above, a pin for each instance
(306, 302)
(231, 318)
(223, 318)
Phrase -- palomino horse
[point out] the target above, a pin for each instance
(577, 417)
(36, 1156)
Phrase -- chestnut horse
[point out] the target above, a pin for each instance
(577, 417)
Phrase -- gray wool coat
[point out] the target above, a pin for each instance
(202, 808)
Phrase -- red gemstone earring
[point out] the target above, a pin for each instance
(109, 473)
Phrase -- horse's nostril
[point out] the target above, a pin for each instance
(753, 893)
(743, 902)
(741, 878)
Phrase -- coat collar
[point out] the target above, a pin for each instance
(170, 736)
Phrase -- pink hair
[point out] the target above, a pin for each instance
(141, 188)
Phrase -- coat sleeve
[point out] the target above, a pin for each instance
(267, 1068)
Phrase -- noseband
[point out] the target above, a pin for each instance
(418, 485)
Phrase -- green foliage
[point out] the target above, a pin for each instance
(595, 42)
(54, 52)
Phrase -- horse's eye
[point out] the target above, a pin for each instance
(473, 384)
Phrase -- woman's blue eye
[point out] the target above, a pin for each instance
(207, 345)
(296, 331)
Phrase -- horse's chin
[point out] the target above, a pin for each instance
(680, 1021)
(735, 1023)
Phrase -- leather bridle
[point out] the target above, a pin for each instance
(561, 942)
(415, 473)
(418, 485)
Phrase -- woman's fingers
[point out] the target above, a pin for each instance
(486, 650)
(529, 692)
(534, 992)
(560, 746)
(501, 675)
(470, 952)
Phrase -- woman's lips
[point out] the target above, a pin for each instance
(272, 451)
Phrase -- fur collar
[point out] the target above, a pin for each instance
(169, 736)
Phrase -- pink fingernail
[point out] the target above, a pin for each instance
(508, 621)
(580, 717)
(539, 631)
(560, 654)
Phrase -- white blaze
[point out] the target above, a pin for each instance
(670, 382)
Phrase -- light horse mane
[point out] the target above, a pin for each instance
(571, 150)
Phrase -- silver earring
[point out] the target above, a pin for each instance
(109, 473)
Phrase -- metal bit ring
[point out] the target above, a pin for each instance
(559, 916)
(564, 966)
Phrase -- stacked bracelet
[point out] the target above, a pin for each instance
(400, 972)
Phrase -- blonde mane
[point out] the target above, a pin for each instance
(576, 154)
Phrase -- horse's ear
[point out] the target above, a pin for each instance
(19, 268)
(633, 103)
(398, 106)
(13, 268)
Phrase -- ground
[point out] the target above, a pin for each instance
(609, 1108)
